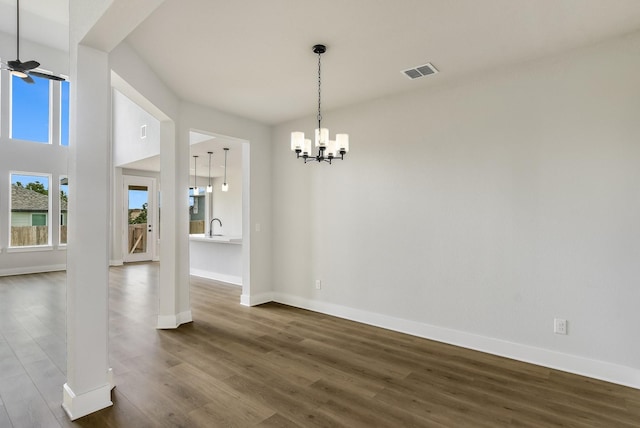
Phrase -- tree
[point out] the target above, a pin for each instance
(36, 187)
(141, 218)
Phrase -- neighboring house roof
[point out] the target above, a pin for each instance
(23, 199)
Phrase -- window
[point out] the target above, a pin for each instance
(30, 109)
(30, 208)
(64, 201)
(38, 219)
(64, 113)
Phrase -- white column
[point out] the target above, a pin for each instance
(174, 306)
(89, 381)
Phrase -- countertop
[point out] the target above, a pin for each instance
(216, 239)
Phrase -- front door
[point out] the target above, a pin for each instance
(139, 225)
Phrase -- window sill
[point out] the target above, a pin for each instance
(29, 249)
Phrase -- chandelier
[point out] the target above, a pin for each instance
(328, 150)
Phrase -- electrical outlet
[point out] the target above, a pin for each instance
(559, 326)
(318, 284)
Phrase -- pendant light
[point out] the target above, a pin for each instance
(196, 191)
(328, 150)
(225, 186)
(210, 187)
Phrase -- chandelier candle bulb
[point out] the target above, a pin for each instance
(342, 140)
(331, 149)
(322, 136)
(297, 140)
(306, 148)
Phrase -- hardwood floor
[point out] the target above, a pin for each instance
(274, 366)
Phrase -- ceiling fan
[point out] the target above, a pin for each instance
(24, 70)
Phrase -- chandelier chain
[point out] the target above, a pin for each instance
(319, 93)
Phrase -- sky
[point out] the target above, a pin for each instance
(30, 110)
(137, 198)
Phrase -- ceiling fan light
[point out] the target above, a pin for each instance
(19, 74)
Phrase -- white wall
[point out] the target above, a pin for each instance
(227, 206)
(128, 144)
(477, 213)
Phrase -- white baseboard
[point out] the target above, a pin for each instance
(32, 269)
(259, 299)
(184, 317)
(167, 322)
(81, 405)
(220, 277)
(602, 370)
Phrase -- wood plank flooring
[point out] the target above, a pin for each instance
(274, 366)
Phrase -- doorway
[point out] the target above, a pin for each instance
(139, 226)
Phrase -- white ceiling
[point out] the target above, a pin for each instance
(253, 57)
(42, 21)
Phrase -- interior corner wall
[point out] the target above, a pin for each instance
(478, 212)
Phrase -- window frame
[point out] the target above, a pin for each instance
(24, 248)
(60, 213)
(50, 107)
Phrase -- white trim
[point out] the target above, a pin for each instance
(184, 317)
(29, 248)
(258, 299)
(220, 277)
(81, 405)
(152, 216)
(167, 322)
(116, 262)
(596, 369)
(110, 379)
(32, 269)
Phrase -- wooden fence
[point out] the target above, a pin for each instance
(22, 236)
(196, 226)
(137, 238)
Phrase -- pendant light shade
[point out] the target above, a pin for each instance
(225, 185)
(209, 186)
(328, 150)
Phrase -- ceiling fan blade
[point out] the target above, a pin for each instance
(28, 80)
(22, 66)
(30, 65)
(46, 76)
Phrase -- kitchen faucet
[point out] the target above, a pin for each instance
(211, 226)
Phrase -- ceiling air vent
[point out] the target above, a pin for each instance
(420, 71)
